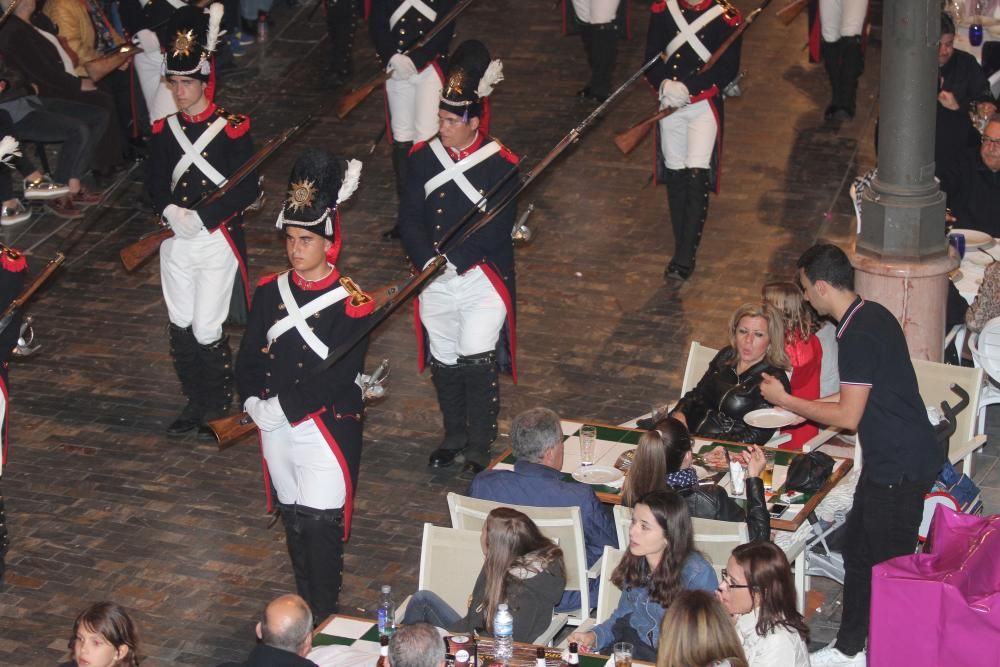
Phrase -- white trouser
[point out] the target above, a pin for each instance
(841, 18)
(197, 278)
(687, 136)
(302, 468)
(413, 105)
(159, 101)
(463, 314)
(596, 11)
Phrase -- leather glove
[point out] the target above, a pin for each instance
(267, 415)
(146, 40)
(402, 67)
(673, 94)
(185, 223)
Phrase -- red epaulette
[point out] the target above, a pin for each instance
(359, 303)
(658, 7)
(735, 19)
(506, 153)
(236, 124)
(269, 278)
(158, 125)
(417, 146)
(12, 260)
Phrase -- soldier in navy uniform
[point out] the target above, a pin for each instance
(415, 87)
(466, 314)
(203, 266)
(310, 424)
(599, 23)
(689, 141)
(12, 270)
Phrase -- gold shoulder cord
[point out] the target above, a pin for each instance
(358, 298)
(729, 10)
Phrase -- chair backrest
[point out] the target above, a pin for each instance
(935, 380)
(699, 358)
(717, 539)
(563, 525)
(985, 348)
(623, 519)
(450, 561)
(608, 594)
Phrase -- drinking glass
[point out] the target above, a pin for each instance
(588, 443)
(976, 33)
(623, 654)
(768, 475)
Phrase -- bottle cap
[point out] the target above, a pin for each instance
(383, 640)
(386, 588)
(540, 653)
(502, 606)
(573, 647)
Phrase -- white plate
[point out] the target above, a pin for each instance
(599, 475)
(974, 239)
(770, 418)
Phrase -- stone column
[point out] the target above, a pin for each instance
(902, 255)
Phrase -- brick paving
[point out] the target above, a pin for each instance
(102, 505)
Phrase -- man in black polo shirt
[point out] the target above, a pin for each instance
(879, 398)
(972, 183)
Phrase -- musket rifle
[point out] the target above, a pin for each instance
(790, 12)
(8, 314)
(229, 429)
(627, 140)
(135, 255)
(10, 10)
(352, 99)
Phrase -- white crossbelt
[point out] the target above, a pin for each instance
(406, 6)
(192, 152)
(455, 171)
(296, 317)
(687, 33)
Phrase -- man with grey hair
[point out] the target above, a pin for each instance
(537, 481)
(416, 645)
(285, 634)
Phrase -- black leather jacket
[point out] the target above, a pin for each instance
(707, 501)
(716, 406)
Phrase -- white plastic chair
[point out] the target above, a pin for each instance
(560, 524)
(623, 519)
(608, 594)
(450, 561)
(934, 381)
(717, 539)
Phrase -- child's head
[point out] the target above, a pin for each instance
(104, 636)
(787, 298)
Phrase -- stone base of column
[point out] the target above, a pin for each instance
(915, 292)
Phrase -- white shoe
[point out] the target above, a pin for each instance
(14, 215)
(832, 657)
(44, 188)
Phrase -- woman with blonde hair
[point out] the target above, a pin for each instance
(523, 570)
(804, 350)
(697, 632)
(730, 387)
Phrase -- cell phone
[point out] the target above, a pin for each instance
(777, 509)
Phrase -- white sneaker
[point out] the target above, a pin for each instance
(14, 215)
(44, 188)
(832, 657)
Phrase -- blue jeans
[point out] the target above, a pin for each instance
(428, 607)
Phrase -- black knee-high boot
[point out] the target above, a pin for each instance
(184, 352)
(449, 381)
(400, 163)
(482, 398)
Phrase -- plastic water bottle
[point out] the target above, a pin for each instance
(503, 633)
(386, 613)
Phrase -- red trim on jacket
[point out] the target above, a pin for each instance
(658, 7)
(159, 124)
(239, 257)
(315, 285)
(267, 475)
(344, 470)
(6, 419)
(501, 288)
(269, 278)
(199, 118)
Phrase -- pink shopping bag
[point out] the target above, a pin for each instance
(941, 607)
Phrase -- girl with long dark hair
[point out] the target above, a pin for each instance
(104, 636)
(523, 569)
(758, 590)
(661, 561)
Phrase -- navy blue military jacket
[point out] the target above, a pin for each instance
(409, 29)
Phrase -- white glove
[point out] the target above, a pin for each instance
(185, 223)
(267, 415)
(673, 94)
(402, 67)
(146, 40)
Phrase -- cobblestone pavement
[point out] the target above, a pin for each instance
(102, 505)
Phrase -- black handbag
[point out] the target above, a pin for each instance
(809, 472)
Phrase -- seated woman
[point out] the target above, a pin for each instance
(697, 632)
(523, 569)
(730, 387)
(758, 591)
(661, 561)
(664, 459)
(804, 350)
(104, 636)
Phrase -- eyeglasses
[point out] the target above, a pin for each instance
(730, 582)
(992, 142)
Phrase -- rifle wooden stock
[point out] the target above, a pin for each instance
(350, 101)
(33, 286)
(136, 254)
(790, 12)
(629, 139)
(228, 430)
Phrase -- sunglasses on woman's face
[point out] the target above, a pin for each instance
(730, 582)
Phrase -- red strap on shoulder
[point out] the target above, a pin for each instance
(237, 130)
(658, 7)
(269, 278)
(508, 155)
(363, 310)
(734, 20)
(159, 125)
(417, 147)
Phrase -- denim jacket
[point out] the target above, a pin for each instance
(646, 614)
